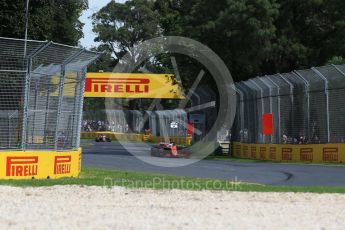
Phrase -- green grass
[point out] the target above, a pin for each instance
(108, 178)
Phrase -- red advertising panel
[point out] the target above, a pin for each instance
(267, 124)
(190, 129)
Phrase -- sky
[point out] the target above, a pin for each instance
(89, 36)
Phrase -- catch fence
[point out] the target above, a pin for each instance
(41, 94)
(307, 106)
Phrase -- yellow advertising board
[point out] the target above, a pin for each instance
(311, 153)
(39, 164)
(126, 85)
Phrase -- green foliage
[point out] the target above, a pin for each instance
(309, 33)
(106, 62)
(56, 20)
(336, 61)
(238, 31)
(252, 37)
(94, 104)
(122, 26)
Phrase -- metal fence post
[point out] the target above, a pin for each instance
(291, 96)
(278, 98)
(279, 102)
(241, 110)
(80, 118)
(76, 109)
(248, 84)
(262, 107)
(327, 102)
(291, 87)
(27, 93)
(34, 118)
(61, 93)
(271, 103)
(261, 93)
(9, 130)
(246, 114)
(46, 116)
(307, 87)
(257, 131)
(26, 103)
(339, 70)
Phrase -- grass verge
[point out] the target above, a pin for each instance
(108, 178)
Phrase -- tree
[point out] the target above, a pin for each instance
(120, 27)
(123, 26)
(106, 62)
(56, 20)
(246, 30)
(336, 61)
(253, 37)
(239, 31)
(309, 33)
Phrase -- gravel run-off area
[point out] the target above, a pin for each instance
(75, 207)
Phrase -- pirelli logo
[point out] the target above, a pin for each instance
(263, 153)
(287, 154)
(79, 162)
(306, 154)
(117, 85)
(238, 150)
(22, 166)
(245, 151)
(62, 165)
(253, 152)
(330, 154)
(273, 153)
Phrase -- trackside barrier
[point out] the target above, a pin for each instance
(136, 137)
(304, 107)
(41, 104)
(39, 164)
(113, 136)
(315, 153)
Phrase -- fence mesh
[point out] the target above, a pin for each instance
(308, 106)
(41, 94)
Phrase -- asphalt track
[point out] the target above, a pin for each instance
(115, 156)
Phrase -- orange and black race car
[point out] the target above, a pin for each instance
(169, 150)
(102, 138)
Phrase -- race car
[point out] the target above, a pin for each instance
(169, 150)
(102, 138)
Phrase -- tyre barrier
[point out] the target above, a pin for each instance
(113, 136)
(314, 153)
(39, 164)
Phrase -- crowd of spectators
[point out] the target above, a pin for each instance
(285, 138)
(104, 126)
